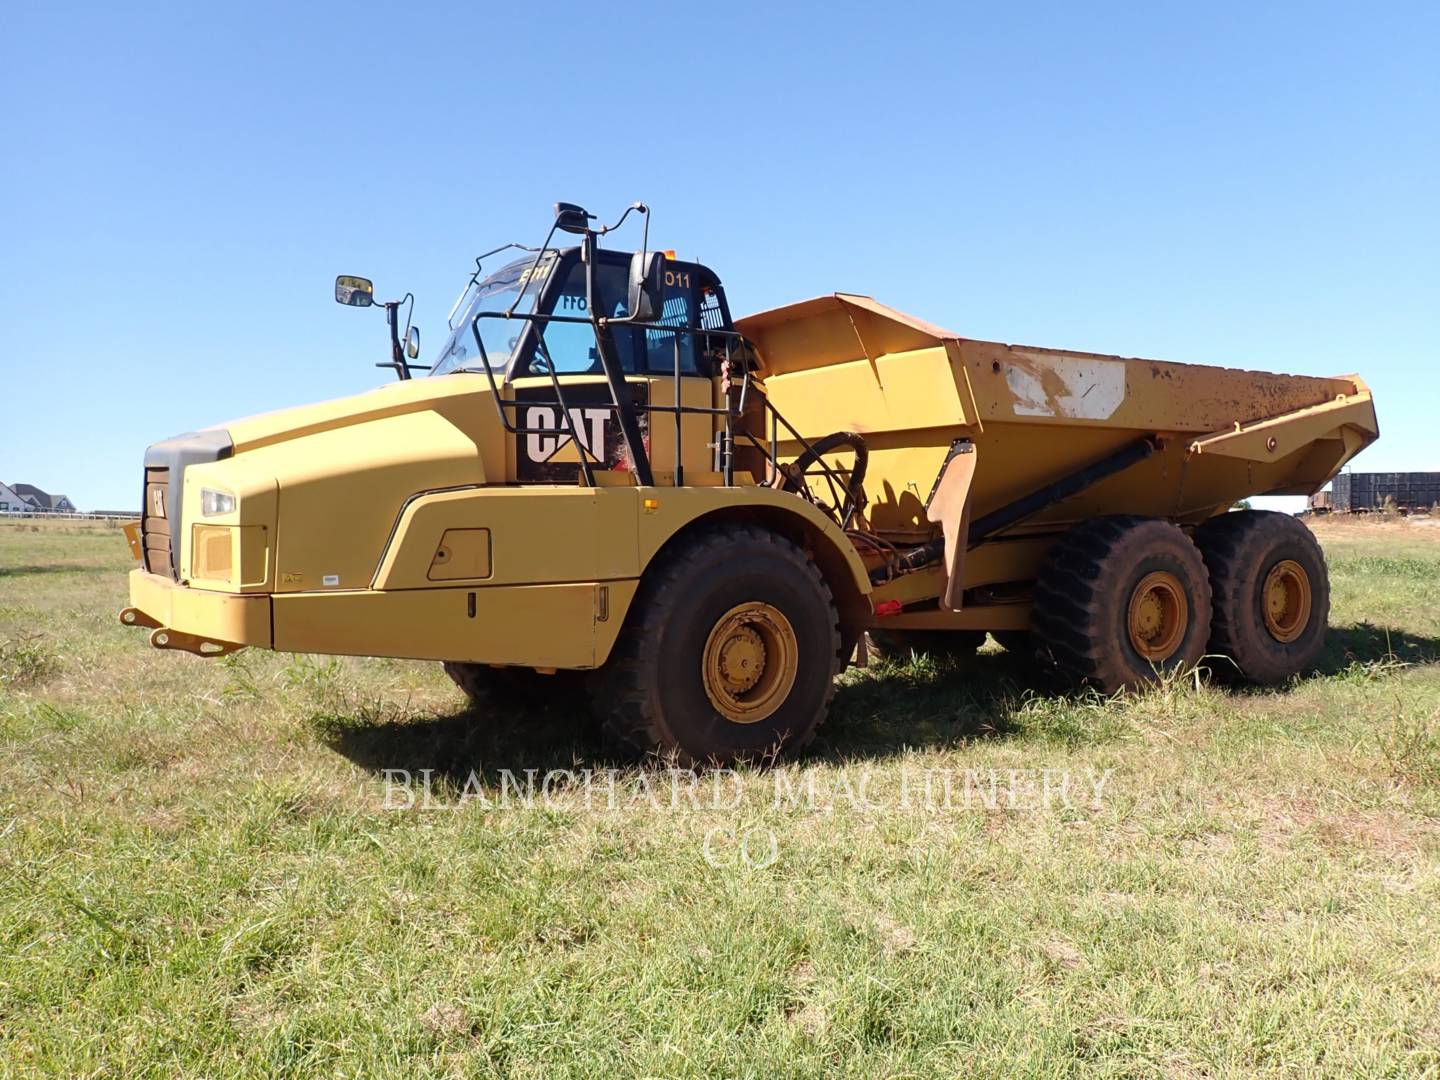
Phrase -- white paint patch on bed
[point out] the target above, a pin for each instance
(1070, 386)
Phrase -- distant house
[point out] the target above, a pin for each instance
(36, 501)
(10, 500)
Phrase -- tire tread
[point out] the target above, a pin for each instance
(1068, 603)
(620, 690)
(1231, 543)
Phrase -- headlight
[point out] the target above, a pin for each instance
(214, 503)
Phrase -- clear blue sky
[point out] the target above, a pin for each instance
(1248, 184)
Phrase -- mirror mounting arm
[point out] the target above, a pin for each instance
(360, 292)
(397, 351)
(402, 350)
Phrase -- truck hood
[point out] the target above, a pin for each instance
(413, 395)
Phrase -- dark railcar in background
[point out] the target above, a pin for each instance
(1352, 492)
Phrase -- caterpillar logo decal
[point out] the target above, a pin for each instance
(546, 453)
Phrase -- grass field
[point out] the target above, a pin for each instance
(203, 868)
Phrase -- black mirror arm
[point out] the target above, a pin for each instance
(397, 351)
(409, 314)
(398, 363)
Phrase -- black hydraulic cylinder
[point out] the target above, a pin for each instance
(917, 558)
(1076, 482)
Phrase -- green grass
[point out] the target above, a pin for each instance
(198, 872)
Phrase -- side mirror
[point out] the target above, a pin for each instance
(572, 219)
(412, 343)
(354, 291)
(646, 298)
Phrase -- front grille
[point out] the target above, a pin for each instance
(161, 517)
(155, 523)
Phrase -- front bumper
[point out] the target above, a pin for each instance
(196, 620)
(567, 625)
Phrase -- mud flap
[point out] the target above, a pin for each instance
(949, 507)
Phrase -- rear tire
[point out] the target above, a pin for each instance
(729, 652)
(1121, 601)
(1271, 590)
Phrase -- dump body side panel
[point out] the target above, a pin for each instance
(1037, 415)
(1057, 386)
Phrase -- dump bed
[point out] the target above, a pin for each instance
(1036, 415)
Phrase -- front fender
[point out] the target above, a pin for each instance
(485, 538)
(680, 510)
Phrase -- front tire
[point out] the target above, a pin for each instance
(729, 652)
(1272, 593)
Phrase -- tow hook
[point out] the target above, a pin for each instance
(165, 638)
(133, 616)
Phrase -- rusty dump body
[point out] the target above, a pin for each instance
(1031, 417)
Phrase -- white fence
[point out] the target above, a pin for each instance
(50, 515)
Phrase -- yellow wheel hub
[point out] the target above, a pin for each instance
(749, 662)
(1285, 600)
(1158, 615)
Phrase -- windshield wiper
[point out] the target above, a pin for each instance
(449, 319)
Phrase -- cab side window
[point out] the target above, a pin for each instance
(571, 345)
(660, 346)
(689, 302)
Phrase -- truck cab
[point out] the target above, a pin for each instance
(524, 354)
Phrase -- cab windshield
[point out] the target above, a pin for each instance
(498, 292)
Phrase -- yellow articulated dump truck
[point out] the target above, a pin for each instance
(604, 475)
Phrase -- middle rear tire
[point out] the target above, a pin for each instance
(1121, 601)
